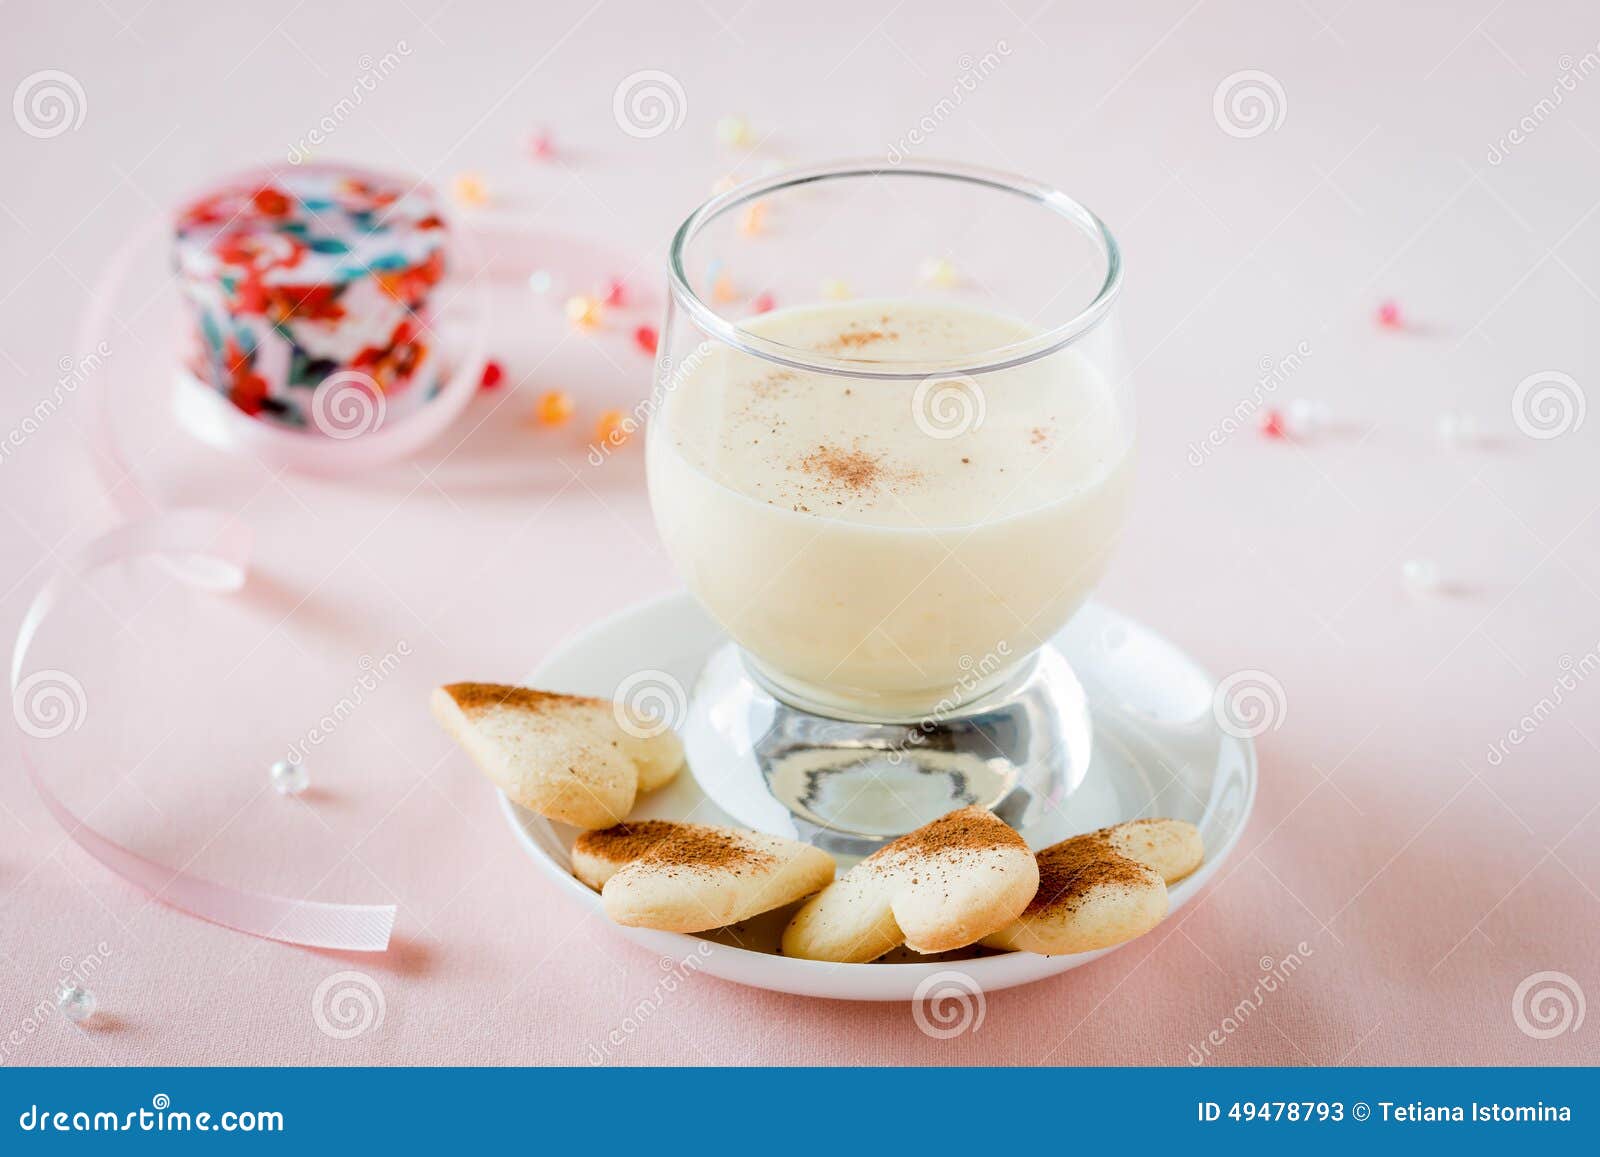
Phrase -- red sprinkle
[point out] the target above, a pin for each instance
(1272, 424)
(616, 292)
(1389, 315)
(492, 376)
(763, 303)
(541, 147)
(645, 338)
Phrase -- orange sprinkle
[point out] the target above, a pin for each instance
(583, 312)
(469, 189)
(755, 216)
(554, 408)
(611, 429)
(722, 289)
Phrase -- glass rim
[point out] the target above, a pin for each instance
(731, 333)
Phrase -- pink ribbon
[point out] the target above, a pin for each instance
(212, 551)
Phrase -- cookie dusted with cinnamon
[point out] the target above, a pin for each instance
(564, 756)
(1171, 847)
(1103, 888)
(694, 877)
(946, 885)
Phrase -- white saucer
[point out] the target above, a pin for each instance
(1158, 751)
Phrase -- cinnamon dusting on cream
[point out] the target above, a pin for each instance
(859, 339)
(852, 469)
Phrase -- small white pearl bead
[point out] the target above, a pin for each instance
(290, 777)
(1421, 575)
(1307, 417)
(1457, 429)
(76, 1003)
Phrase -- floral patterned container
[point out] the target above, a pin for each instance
(313, 276)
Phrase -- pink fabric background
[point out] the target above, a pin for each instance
(1427, 882)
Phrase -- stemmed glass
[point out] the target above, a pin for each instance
(889, 453)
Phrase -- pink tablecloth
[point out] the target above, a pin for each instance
(1446, 158)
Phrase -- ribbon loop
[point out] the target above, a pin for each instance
(211, 551)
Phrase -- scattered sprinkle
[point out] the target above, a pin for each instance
(755, 215)
(611, 428)
(583, 311)
(722, 289)
(541, 146)
(1307, 417)
(835, 289)
(938, 271)
(1458, 429)
(493, 375)
(554, 408)
(540, 281)
(645, 338)
(616, 292)
(1420, 575)
(1271, 424)
(1389, 315)
(724, 183)
(468, 189)
(763, 303)
(734, 132)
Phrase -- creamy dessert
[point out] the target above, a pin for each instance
(888, 548)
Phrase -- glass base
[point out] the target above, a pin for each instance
(850, 786)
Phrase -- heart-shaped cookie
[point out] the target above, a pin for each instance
(1103, 888)
(564, 756)
(944, 886)
(694, 877)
